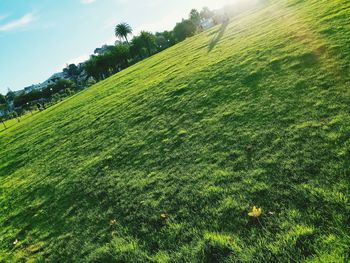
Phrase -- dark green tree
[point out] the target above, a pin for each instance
(164, 40)
(138, 50)
(23, 100)
(148, 41)
(2, 99)
(195, 17)
(120, 55)
(2, 120)
(92, 67)
(10, 96)
(72, 71)
(184, 29)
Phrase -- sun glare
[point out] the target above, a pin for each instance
(221, 3)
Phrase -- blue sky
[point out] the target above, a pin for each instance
(39, 37)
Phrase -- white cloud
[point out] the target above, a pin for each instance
(19, 23)
(2, 17)
(165, 23)
(86, 2)
(75, 61)
(79, 59)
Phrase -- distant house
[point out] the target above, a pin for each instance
(52, 80)
(207, 23)
(29, 89)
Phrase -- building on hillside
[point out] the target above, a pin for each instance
(29, 89)
(207, 23)
(52, 80)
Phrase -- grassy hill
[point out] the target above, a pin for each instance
(163, 161)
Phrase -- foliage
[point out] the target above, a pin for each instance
(105, 63)
(72, 71)
(25, 99)
(184, 29)
(122, 30)
(2, 99)
(148, 41)
(206, 13)
(195, 17)
(138, 50)
(10, 95)
(164, 40)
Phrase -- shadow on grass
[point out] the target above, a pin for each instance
(218, 36)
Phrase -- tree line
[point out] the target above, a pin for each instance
(127, 50)
(59, 89)
(13, 106)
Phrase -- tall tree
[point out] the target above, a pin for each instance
(10, 95)
(142, 45)
(137, 51)
(164, 40)
(120, 54)
(2, 99)
(195, 17)
(184, 29)
(149, 41)
(72, 72)
(122, 30)
(206, 13)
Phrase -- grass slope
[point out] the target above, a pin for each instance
(252, 113)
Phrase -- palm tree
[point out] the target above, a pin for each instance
(122, 30)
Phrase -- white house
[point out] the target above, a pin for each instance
(207, 23)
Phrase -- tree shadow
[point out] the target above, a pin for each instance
(219, 35)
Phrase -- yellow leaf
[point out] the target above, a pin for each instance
(256, 212)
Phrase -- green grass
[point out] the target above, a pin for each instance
(11, 122)
(255, 113)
